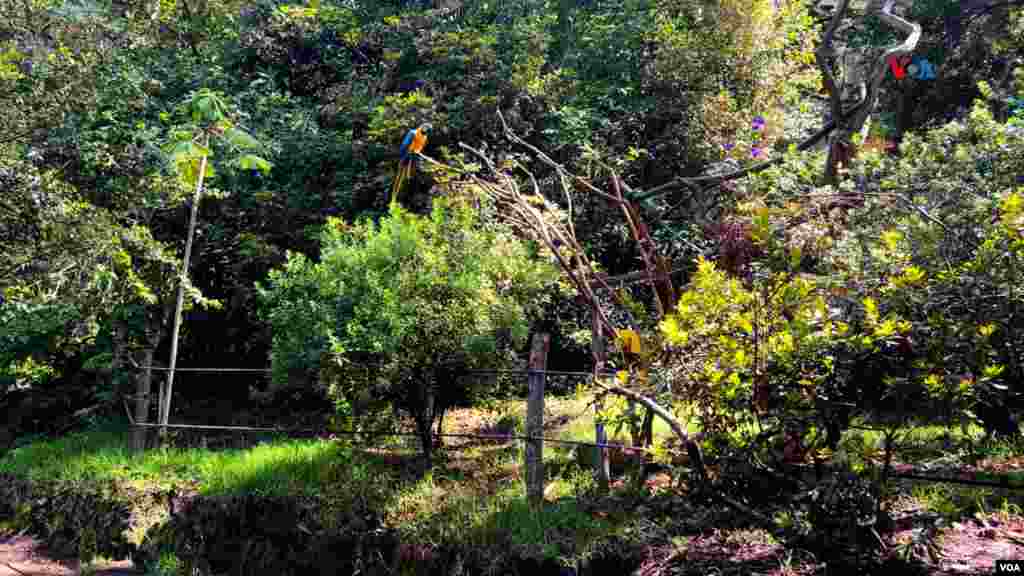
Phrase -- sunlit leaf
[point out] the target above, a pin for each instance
(242, 139)
(253, 162)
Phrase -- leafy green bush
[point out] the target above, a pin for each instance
(903, 259)
(749, 340)
(397, 308)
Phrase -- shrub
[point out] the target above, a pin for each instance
(398, 308)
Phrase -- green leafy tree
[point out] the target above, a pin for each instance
(730, 339)
(83, 183)
(397, 308)
(916, 256)
(190, 152)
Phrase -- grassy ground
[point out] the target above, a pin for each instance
(282, 467)
(475, 494)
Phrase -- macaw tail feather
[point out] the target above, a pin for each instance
(404, 173)
(395, 185)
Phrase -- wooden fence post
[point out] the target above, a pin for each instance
(598, 350)
(535, 420)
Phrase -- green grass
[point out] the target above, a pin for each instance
(474, 496)
(284, 467)
(581, 428)
(481, 506)
(487, 511)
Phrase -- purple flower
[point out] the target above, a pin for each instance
(1020, 179)
(756, 152)
(758, 123)
(728, 146)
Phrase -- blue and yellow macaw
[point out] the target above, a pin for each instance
(414, 142)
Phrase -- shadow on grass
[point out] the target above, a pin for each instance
(469, 511)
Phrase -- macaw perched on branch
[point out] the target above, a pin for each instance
(414, 142)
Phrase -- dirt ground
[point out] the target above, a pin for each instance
(970, 547)
(21, 556)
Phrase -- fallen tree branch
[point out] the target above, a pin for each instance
(692, 448)
(530, 219)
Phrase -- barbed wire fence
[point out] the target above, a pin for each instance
(242, 436)
(327, 430)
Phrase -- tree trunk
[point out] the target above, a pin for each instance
(165, 407)
(635, 434)
(154, 331)
(425, 420)
(870, 81)
(120, 336)
(143, 386)
(905, 112)
(564, 28)
(439, 441)
(598, 350)
(647, 429)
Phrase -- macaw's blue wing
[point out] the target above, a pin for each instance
(406, 143)
(413, 143)
(926, 70)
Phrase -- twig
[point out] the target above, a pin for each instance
(533, 223)
(550, 162)
(22, 571)
(1015, 537)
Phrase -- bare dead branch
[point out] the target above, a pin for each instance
(550, 162)
(22, 572)
(692, 448)
(534, 224)
(825, 56)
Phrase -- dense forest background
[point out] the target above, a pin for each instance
(96, 203)
(777, 243)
